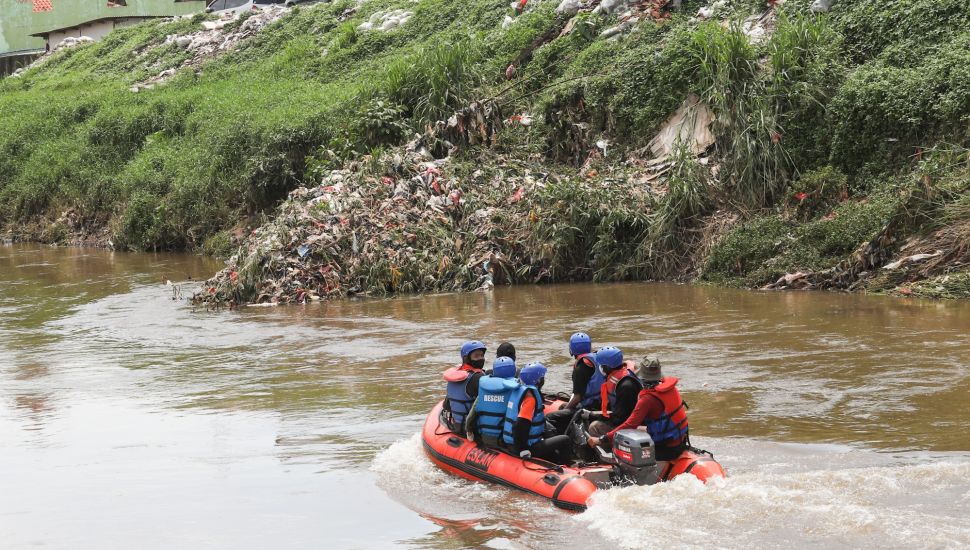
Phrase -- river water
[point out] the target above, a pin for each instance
(129, 419)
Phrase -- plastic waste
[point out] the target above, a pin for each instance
(822, 6)
(568, 7)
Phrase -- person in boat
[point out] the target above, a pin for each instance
(618, 394)
(586, 379)
(486, 418)
(463, 380)
(524, 431)
(505, 349)
(660, 409)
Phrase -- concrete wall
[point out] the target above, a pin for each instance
(18, 20)
(16, 25)
(71, 13)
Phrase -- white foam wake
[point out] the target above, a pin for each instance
(909, 505)
(406, 473)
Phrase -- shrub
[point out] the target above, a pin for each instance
(817, 191)
(746, 247)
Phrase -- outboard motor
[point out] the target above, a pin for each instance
(635, 457)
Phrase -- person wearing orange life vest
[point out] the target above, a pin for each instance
(660, 409)
(462, 388)
(618, 394)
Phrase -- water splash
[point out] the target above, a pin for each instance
(914, 505)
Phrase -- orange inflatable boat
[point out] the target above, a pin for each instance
(567, 486)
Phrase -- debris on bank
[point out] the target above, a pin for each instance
(883, 264)
(386, 20)
(689, 125)
(418, 224)
(213, 38)
(72, 42)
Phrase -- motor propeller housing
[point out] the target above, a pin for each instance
(636, 456)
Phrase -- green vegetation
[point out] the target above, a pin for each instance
(830, 131)
(179, 163)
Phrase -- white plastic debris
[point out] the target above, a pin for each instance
(386, 20)
(607, 7)
(915, 258)
(73, 41)
(568, 7)
(690, 124)
(602, 144)
(214, 25)
(822, 6)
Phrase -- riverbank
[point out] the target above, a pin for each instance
(736, 143)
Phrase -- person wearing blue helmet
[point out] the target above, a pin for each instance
(505, 349)
(618, 395)
(485, 419)
(524, 431)
(586, 378)
(462, 388)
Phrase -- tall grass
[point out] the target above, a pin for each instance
(435, 80)
(728, 75)
(758, 104)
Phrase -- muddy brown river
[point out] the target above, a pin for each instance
(129, 419)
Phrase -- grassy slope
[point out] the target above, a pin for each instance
(889, 149)
(174, 165)
(832, 107)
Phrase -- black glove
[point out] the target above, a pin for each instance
(520, 434)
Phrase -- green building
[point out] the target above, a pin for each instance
(29, 27)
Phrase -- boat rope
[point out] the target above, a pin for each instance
(544, 465)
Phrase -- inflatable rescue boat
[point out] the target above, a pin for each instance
(568, 486)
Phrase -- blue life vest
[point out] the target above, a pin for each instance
(458, 401)
(538, 426)
(493, 399)
(592, 394)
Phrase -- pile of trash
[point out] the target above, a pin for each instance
(213, 37)
(919, 258)
(758, 27)
(386, 20)
(412, 229)
(72, 41)
(629, 12)
(418, 224)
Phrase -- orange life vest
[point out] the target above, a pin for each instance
(608, 389)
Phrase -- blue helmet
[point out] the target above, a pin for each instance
(609, 358)
(532, 374)
(580, 343)
(469, 347)
(503, 367)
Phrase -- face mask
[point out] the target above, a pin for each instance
(477, 363)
